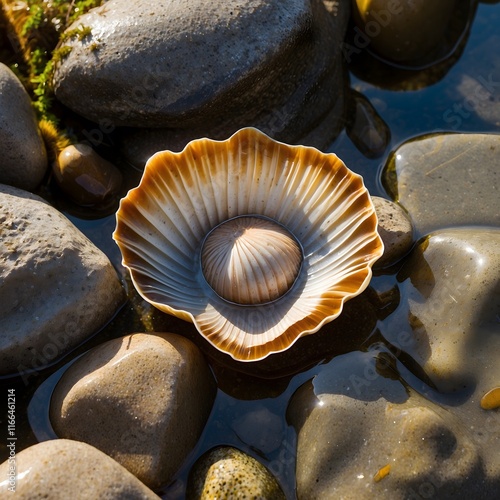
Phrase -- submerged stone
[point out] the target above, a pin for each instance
(362, 433)
(452, 285)
(365, 127)
(476, 92)
(445, 180)
(87, 178)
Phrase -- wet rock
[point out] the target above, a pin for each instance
(68, 469)
(226, 473)
(363, 434)
(217, 66)
(450, 322)
(412, 75)
(87, 178)
(24, 159)
(403, 31)
(142, 399)
(57, 289)
(365, 127)
(452, 284)
(445, 180)
(395, 229)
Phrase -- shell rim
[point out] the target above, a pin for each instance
(188, 316)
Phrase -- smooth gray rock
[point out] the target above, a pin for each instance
(446, 180)
(62, 469)
(22, 151)
(215, 66)
(56, 288)
(143, 399)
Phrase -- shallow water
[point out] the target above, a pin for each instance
(250, 412)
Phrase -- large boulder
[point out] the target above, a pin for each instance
(56, 287)
(216, 66)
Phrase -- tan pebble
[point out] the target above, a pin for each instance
(87, 178)
(491, 400)
(381, 473)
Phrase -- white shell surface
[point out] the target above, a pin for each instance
(162, 224)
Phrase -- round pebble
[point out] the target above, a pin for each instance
(395, 229)
(87, 178)
(491, 400)
(225, 473)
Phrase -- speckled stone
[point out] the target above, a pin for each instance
(362, 434)
(24, 159)
(395, 229)
(143, 399)
(216, 65)
(446, 180)
(227, 473)
(62, 469)
(56, 287)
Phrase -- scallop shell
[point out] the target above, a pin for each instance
(162, 225)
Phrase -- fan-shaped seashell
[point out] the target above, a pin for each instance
(310, 239)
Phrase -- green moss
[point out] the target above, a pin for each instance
(81, 32)
(42, 86)
(41, 27)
